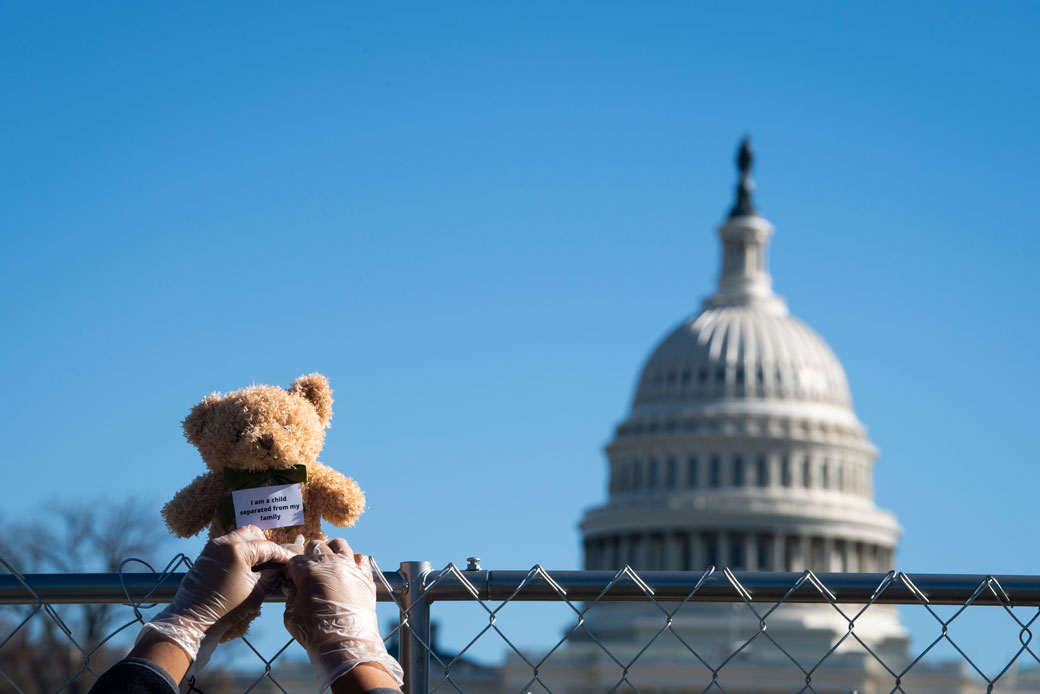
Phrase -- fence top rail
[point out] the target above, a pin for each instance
(452, 584)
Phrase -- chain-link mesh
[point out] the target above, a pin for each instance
(624, 631)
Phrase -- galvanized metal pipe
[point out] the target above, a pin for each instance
(761, 586)
(106, 588)
(670, 586)
(415, 634)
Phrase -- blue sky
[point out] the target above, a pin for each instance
(477, 221)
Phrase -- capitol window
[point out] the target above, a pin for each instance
(736, 552)
(711, 550)
(715, 472)
(764, 548)
(790, 553)
(691, 472)
(738, 471)
(655, 560)
(626, 476)
(762, 472)
(806, 473)
(669, 473)
(652, 481)
(785, 471)
(817, 554)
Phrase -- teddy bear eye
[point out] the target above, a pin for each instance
(238, 436)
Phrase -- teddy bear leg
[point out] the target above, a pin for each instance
(311, 529)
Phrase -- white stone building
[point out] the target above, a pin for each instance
(741, 448)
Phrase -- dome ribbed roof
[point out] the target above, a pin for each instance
(745, 351)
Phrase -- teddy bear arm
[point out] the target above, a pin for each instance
(192, 508)
(336, 497)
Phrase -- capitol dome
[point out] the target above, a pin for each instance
(742, 449)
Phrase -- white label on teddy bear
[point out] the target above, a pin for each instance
(269, 507)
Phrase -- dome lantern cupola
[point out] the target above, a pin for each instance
(744, 279)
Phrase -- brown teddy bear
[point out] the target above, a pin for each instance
(261, 446)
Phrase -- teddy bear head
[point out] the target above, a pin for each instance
(262, 427)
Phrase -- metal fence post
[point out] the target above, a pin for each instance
(415, 612)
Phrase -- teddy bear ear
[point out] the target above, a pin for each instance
(315, 388)
(194, 423)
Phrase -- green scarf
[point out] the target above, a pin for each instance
(244, 479)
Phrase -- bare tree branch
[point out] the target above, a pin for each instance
(74, 537)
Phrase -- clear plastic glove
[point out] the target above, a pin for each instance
(221, 589)
(331, 611)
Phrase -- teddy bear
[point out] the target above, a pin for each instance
(256, 442)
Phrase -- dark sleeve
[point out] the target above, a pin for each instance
(135, 676)
(383, 690)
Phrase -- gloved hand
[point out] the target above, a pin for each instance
(220, 589)
(331, 611)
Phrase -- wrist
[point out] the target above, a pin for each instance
(333, 665)
(365, 677)
(181, 629)
(168, 654)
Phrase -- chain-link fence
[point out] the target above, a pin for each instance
(625, 631)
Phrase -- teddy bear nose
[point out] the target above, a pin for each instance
(267, 441)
